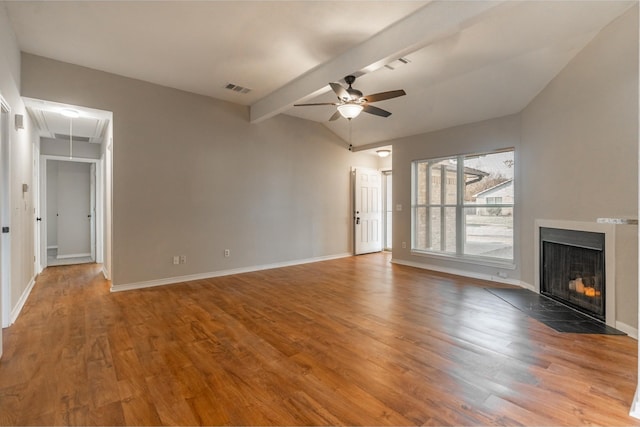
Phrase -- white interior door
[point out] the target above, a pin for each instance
(41, 218)
(92, 209)
(367, 211)
(37, 235)
(74, 208)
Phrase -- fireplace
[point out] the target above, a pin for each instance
(572, 269)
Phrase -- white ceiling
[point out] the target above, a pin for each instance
(90, 125)
(470, 60)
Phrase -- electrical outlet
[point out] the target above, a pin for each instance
(176, 260)
(227, 253)
(183, 259)
(404, 245)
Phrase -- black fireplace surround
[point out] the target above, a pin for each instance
(572, 269)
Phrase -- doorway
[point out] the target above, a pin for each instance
(70, 208)
(367, 211)
(77, 141)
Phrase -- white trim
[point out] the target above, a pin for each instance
(86, 255)
(21, 302)
(105, 273)
(52, 247)
(200, 276)
(609, 231)
(466, 259)
(5, 212)
(464, 273)
(67, 159)
(635, 405)
(629, 330)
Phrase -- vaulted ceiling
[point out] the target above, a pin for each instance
(465, 60)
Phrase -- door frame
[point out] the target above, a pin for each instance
(5, 214)
(97, 226)
(387, 211)
(354, 174)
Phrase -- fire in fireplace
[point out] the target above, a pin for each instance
(572, 269)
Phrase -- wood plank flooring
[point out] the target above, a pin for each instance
(354, 341)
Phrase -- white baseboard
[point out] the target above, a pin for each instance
(73, 256)
(15, 312)
(105, 273)
(629, 330)
(200, 276)
(464, 273)
(635, 406)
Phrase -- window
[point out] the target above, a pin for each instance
(463, 206)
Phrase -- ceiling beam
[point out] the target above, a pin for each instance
(428, 24)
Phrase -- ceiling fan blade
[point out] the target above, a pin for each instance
(384, 95)
(335, 116)
(340, 91)
(319, 103)
(375, 111)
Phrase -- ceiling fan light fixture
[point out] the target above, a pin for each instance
(383, 153)
(350, 111)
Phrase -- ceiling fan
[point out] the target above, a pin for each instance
(351, 101)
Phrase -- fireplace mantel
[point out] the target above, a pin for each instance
(608, 229)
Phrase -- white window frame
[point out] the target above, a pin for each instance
(459, 206)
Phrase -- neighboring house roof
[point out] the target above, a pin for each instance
(495, 188)
(470, 172)
(476, 173)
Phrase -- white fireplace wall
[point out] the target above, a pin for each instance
(578, 156)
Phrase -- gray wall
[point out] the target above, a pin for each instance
(579, 155)
(193, 177)
(576, 159)
(21, 164)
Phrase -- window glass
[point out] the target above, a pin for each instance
(463, 205)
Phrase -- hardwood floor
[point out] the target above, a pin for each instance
(354, 341)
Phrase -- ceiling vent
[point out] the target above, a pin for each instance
(75, 138)
(236, 88)
(397, 63)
